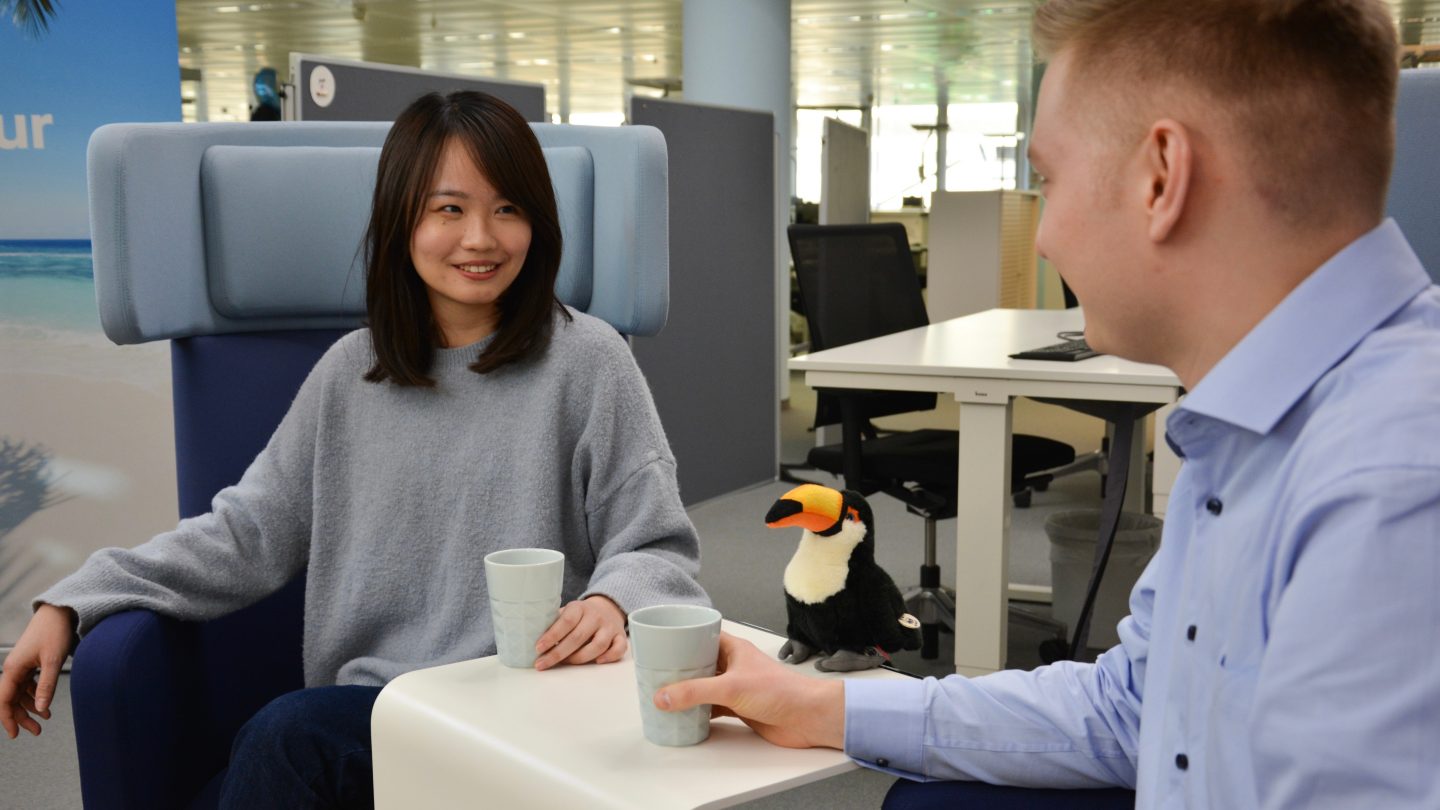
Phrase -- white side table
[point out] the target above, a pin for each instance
(477, 733)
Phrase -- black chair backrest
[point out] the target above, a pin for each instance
(858, 282)
(1070, 300)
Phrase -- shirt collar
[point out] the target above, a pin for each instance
(1311, 330)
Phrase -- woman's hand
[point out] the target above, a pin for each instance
(591, 629)
(24, 698)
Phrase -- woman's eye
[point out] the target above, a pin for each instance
(507, 209)
(450, 209)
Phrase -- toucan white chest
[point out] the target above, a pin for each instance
(821, 564)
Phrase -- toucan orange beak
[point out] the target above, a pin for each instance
(809, 506)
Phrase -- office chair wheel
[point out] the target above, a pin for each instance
(1040, 484)
(1021, 499)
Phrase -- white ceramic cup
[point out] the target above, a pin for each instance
(673, 643)
(524, 586)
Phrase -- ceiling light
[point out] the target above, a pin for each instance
(887, 47)
(517, 34)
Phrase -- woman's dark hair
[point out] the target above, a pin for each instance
(402, 326)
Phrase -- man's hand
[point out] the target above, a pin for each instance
(24, 698)
(783, 706)
(591, 629)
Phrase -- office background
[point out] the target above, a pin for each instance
(890, 67)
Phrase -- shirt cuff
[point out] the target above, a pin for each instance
(885, 724)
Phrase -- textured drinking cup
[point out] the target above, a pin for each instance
(524, 586)
(673, 643)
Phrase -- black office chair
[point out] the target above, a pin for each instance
(858, 282)
(1096, 461)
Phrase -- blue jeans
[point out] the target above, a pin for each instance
(305, 749)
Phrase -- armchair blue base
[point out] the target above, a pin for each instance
(157, 701)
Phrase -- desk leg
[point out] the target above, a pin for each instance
(982, 529)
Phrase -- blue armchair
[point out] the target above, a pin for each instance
(240, 243)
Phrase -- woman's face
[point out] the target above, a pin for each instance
(468, 247)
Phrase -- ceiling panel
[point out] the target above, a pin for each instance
(845, 52)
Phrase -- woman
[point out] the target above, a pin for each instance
(475, 413)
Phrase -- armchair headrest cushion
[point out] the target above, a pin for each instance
(214, 228)
(274, 251)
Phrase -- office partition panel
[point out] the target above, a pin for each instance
(844, 174)
(325, 89)
(712, 369)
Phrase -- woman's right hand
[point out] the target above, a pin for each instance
(24, 698)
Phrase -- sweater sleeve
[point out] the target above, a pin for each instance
(646, 549)
(253, 541)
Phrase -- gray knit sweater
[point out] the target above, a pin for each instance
(392, 496)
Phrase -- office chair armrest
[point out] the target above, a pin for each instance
(133, 688)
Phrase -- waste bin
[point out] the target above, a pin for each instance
(1072, 557)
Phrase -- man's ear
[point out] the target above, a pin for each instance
(1168, 161)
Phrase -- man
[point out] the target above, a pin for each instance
(1215, 174)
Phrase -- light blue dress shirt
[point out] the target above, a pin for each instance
(1283, 647)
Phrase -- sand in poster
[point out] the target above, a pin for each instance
(86, 442)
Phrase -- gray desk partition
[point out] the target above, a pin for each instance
(347, 90)
(844, 174)
(712, 369)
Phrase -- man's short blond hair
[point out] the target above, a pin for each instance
(1306, 86)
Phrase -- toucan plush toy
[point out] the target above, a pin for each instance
(840, 604)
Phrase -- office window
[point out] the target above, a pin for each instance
(980, 151)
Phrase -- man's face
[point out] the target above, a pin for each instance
(1093, 228)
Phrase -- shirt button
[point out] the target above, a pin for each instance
(1182, 762)
(1214, 506)
(1190, 632)
(883, 762)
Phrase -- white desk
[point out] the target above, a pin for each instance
(478, 734)
(968, 358)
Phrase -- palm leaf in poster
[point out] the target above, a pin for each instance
(31, 16)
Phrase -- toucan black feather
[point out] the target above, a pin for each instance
(858, 614)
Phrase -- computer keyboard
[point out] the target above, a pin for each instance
(1070, 350)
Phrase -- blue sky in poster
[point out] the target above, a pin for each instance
(101, 62)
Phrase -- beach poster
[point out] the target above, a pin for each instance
(87, 452)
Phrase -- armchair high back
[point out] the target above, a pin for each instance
(241, 244)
